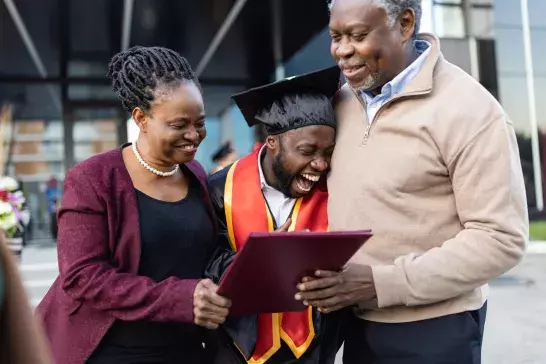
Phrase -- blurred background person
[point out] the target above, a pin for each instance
(224, 156)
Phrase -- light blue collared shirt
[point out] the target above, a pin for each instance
(397, 84)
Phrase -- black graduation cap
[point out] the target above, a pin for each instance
(221, 152)
(292, 103)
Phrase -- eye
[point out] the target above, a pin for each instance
(200, 124)
(307, 151)
(359, 37)
(335, 37)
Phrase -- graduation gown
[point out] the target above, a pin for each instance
(236, 340)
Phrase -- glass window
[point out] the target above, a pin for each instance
(32, 101)
(537, 9)
(538, 43)
(449, 21)
(427, 23)
(91, 92)
(507, 13)
(482, 23)
(513, 93)
(92, 137)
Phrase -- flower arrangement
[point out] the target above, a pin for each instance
(8, 219)
(12, 207)
(14, 214)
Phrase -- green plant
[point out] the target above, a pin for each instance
(537, 230)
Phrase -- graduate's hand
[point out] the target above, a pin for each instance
(209, 309)
(284, 228)
(332, 291)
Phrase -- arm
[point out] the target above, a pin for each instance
(490, 198)
(491, 203)
(87, 275)
(224, 254)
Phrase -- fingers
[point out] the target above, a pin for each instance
(308, 279)
(285, 226)
(326, 273)
(321, 283)
(210, 309)
(209, 294)
(311, 296)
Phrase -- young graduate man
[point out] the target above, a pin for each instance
(279, 187)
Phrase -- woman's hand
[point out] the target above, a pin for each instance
(209, 309)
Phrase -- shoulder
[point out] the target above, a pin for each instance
(343, 104)
(472, 100)
(344, 94)
(99, 170)
(197, 169)
(217, 180)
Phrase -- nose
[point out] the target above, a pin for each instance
(320, 164)
(345, 50)
(191, 135)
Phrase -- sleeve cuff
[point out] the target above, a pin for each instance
(390, 286)
(184, 311)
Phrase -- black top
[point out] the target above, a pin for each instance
(177, 240)
(177, 237)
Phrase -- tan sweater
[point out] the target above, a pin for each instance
(438, 179)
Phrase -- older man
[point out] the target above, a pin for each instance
(428, 160)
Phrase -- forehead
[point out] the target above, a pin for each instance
(320, 135)
(347, 14)
(179, 97)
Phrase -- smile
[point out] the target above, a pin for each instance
(351, 71)
(189, 148)
(306, 181)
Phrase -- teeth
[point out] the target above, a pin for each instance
(188, 147)
(302, 187)
(310, 177)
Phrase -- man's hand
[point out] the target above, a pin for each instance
(284, 228)
(209, 309)
(332, 291)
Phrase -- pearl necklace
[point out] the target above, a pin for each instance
(150, 168)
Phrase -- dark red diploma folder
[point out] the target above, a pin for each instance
(264, 275)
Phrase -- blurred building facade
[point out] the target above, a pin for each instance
(65, 111)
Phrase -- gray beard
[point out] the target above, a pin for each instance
(370, 83)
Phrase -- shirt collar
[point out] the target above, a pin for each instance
(397, 84)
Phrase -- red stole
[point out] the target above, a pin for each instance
(247, 211)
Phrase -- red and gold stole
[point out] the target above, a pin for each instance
(247, 211)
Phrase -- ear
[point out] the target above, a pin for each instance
(407, 24)
(140, 119)
(272, 142)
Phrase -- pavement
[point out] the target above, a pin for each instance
(516, 319)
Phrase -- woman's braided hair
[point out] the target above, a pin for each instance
(138, 71)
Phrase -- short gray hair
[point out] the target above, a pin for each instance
(394, 9)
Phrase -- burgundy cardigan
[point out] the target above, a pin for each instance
(99, 253)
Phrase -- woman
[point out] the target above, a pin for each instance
(22, 341)
(136, 230)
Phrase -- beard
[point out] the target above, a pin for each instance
(371, 82)
(284, 179)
